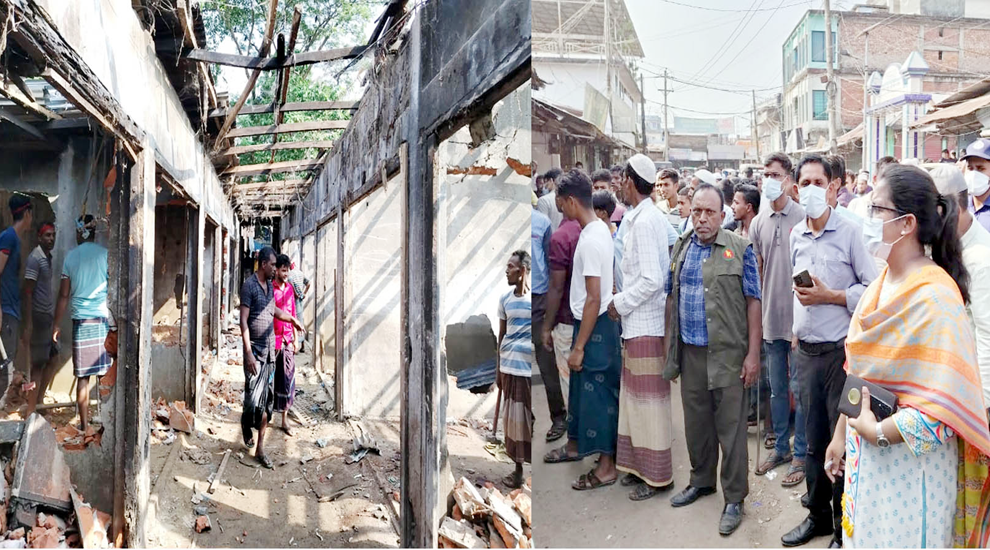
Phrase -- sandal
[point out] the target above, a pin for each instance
(645, 491)
(590, 481)
(769, 441)
(560, 455)
(557, 431)
(772, 461)
(266, 462)
(629, 480)
(795, 474)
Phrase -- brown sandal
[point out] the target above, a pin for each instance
(795, 474)
(590, 481)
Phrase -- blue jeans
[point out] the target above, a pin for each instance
(782, 378)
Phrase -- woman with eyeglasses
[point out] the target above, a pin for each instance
(917, 478)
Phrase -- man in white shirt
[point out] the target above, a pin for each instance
(644, 443)
(975, 241)
(595, 359)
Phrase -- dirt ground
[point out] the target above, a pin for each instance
(606, 518)
(255, 507)
(287, 499)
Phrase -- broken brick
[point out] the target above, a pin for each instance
(203, 524)
(108, 380)
(42, 537)
(181, 418)
(16, 534)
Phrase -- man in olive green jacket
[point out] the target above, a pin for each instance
(714, 335)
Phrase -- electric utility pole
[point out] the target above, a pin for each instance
(666, 132)
(756, 134)
(642, 106)
(831, 87)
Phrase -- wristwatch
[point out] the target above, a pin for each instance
(882, 440)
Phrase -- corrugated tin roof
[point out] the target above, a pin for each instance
(586, 18)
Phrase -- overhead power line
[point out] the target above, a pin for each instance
(802, 3)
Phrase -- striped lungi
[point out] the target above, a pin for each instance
(517, 404)
(285, 379)
(644, 413)
(89, 354)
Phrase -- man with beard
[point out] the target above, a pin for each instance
(258, 313)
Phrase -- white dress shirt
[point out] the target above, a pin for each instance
(645, 262)
(976, 258)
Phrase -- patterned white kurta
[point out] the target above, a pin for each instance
(903, 496)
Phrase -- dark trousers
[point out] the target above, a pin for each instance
(819, 368)
(713, 419)
(545, 361)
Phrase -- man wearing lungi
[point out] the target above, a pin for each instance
(714, 318)
(595, 360)
(285, 342)
(84, 281)
(515, 365)
(644, 396)
(39, 313)
(258, 313)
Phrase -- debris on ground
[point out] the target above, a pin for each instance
(482, 517)
(203, 523)
(363, 444)
(181, 418)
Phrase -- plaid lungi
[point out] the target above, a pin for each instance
(644, 413)
(89, 355)
(517, 405)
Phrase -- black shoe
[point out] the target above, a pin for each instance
(836, 543)
(731, 518)
(809, 529)
(806, 500)
(557, 430)
(689, 495)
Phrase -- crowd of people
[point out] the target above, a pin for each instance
(861, 302)
(34, 307)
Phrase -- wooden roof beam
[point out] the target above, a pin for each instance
(283, 76)
(274, 167)
(284, 146)
(15, 94)
(273, 184)
(290, 107)
(271, 129)
(264, 63)
(265, 47)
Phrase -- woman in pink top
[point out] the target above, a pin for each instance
(285, 366)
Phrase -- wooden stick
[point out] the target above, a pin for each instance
(265, 47)
(216, 477)
(290, 106)
(312, 126)
(274, 167)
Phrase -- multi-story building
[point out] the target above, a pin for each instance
(952, 37)
(768, 127)
(572, 39)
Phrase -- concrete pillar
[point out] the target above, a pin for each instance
(194, 345)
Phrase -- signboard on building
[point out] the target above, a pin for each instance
(595, 107)
(727, 126)
(726, 152)
(688, 154)
(623, 116)
(686, 125)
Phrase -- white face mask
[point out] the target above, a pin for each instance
(873, 236)
(813, 201)
(978, 182)
(772, 189)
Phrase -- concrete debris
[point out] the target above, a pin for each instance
(322, 442)
(93, 524)
(41, 476)
(181, 418)
(197, 456)
(482, 517)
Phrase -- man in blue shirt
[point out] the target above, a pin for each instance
(831, 249)
(10, 277)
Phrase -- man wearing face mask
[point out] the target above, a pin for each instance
(830, 248)
(977, 159)
(770, 232)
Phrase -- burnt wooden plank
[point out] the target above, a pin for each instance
(290, 107)
(264, 63)
(287, 145)
(274, 167)
(312, 126)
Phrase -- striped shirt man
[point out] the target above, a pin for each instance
(516, 351)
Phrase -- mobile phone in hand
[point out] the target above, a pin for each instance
(803, 280)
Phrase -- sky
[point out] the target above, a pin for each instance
(730, 44)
